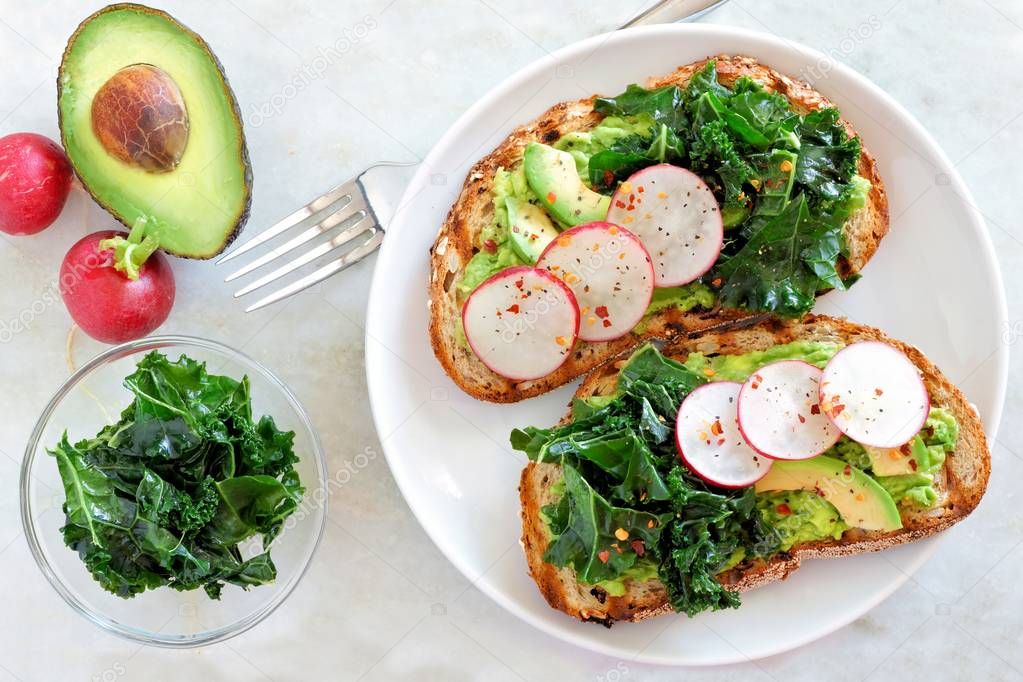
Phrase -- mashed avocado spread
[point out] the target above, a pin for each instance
(927, 451)
(799, 516)
(582, 145)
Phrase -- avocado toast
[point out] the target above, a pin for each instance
(718, 542)
(478, 238)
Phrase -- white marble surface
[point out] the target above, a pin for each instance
(380, 602)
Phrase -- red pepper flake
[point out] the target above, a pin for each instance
(878, 392)
(551, 197)
(637, 545)
(802, 419)
(603, 555)
(717, 281)
(836, 410)
(815, 409)
(619, 203)
(721, 441)
(716, 428)
(650, 523)
(912, 464)
(609, 178)
(513, 308)
(490, 246)
(518, 283)
(783, 509)
(847, 470)
(758, 377)
(601, 311)
(607, 323)
(632, 198)
(754, 386)
(641, 189)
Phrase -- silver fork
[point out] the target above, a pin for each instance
(363, 206)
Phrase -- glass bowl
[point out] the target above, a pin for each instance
(94, 397)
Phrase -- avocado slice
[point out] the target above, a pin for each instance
(861, 500)
(153, 131)
(552, 175)
(897, 461)
(531, 229)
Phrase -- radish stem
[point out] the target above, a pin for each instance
(131, 252)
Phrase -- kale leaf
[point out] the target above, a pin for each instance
(588, 529)
(623, 479)
(165, 496)
(664, 105)
(709, 531)
(783, 264)
(766, 165)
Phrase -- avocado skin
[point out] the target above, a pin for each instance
(243, 150)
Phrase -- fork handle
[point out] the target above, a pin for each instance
(668, 11)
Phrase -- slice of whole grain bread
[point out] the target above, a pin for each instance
(457, 240)
(960, 483)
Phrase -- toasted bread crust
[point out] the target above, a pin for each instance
(473, 210)
(960, 483)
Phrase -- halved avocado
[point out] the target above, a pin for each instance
(153, 130)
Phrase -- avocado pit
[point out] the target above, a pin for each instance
(139, 117)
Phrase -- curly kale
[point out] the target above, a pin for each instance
(770, 169)
(165, 496)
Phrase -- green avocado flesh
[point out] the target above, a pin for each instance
(554, 178)
(197, 207)
(859, 499)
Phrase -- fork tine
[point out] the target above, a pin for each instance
(345, 189)
(335, 242)
(348, 259)
(344, 213)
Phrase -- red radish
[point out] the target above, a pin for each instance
(779, 414)
(35, 178)
(709, 441)
(609, 271)
(521, 323)
(874, 394)
(117, 287)
(675, 215)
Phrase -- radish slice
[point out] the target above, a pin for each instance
(779, 414)
(874, 394)
(677, 218)
(709, 440)
(521, 323)
(609, 271)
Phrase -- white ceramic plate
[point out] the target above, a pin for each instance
(934, 282)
